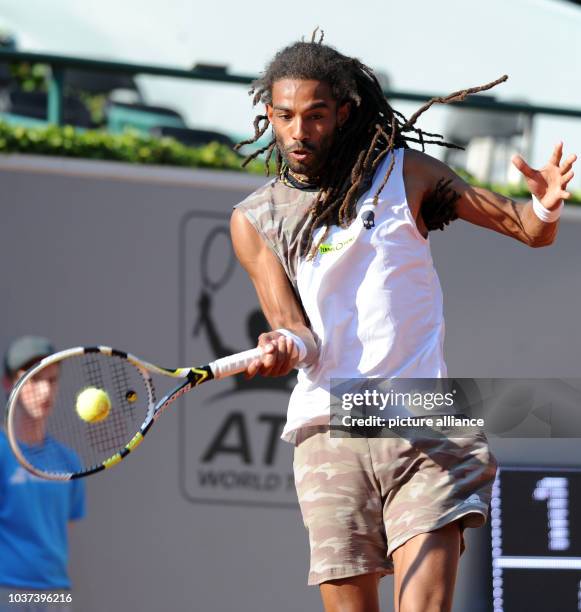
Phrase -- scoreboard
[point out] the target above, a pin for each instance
(535, 526)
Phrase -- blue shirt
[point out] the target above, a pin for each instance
(34, 514)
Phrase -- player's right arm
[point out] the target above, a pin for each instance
(277, 299)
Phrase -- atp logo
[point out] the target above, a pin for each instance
(231, 447)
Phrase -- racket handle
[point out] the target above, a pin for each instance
(233, 364)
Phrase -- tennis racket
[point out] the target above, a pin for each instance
(52, 440)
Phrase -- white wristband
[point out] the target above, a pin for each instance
(301, 346)
(548, 216)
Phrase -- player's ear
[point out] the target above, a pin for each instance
(269, 112)
(343, 113)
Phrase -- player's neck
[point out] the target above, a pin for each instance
(303, 178)
(300, 181)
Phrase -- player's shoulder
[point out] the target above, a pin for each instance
(414, 164)
(421, 168)
(419, 162)
(276, 199)
(258, 198)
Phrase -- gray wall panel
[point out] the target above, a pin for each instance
(91, 254)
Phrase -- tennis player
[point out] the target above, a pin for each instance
(35, 514)
(337, 248)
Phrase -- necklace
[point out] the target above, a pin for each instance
(290, 179)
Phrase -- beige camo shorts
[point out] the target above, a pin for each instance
(361, 498)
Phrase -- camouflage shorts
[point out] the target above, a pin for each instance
(361, 498)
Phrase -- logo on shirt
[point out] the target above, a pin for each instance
(21, 476)
(368, 218)
(333, 248)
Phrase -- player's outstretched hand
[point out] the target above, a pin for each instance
(549, 184)
(280, 356)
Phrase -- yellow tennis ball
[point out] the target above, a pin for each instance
(93, 405)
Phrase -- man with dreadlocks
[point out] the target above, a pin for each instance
(336, 246)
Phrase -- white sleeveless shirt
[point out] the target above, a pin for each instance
(372, 296)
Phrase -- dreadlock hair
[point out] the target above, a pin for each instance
(372, 130)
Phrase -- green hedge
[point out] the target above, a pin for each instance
(134, 148)
(128, 147)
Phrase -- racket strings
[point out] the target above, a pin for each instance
(50, 433)
(93, 372)
(101, 438)
(121, 384)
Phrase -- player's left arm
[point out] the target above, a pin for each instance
(443, 188)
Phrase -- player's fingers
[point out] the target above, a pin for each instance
(522, 166)
(281, 356)
(276, 362)
(565, 195)
(293, 350)
(268, 350)
(566, 178)
(264, 341)
(568, 163)
(557, 153)
(292, 355)
(269, 356)
(252, 369)
(286, 359)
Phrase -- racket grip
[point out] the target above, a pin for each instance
(233, 364)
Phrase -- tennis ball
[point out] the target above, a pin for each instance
(93, 405)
